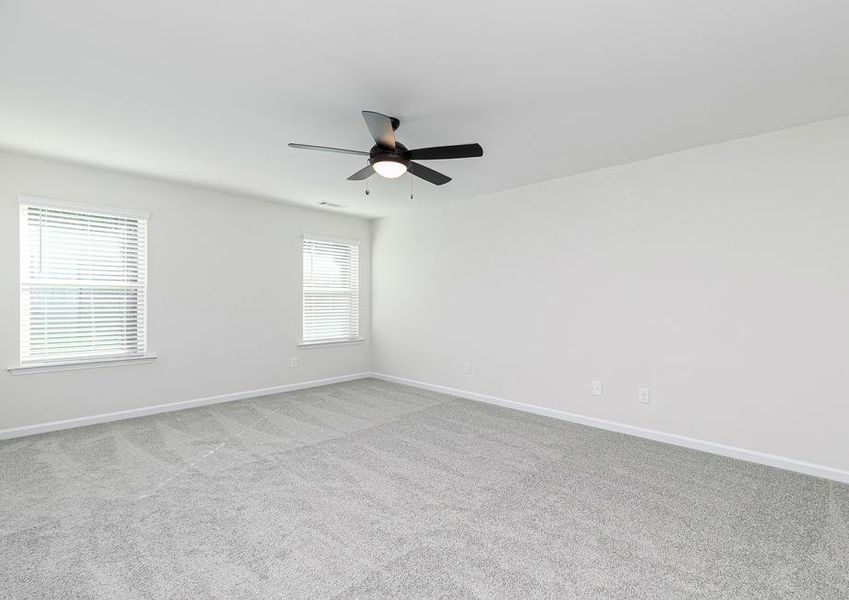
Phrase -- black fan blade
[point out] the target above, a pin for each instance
(428, 174)
(362, 174)
(328, 149)
(441, 152)
(380, 127)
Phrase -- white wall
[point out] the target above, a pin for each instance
(717, 277)
(224, 295)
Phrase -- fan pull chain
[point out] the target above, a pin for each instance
(411, 186)
(366, 188)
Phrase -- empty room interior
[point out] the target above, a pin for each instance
(424, 300)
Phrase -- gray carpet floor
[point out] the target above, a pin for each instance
(371, 490)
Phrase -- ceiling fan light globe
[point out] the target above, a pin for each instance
(389, 168)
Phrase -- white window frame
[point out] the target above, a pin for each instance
(64, 364)
(331, 341)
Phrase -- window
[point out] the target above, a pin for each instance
(331, 290)
(83, 283)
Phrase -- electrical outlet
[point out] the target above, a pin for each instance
(294, 362)
(467, 368)
(644, 395)
(597, 388)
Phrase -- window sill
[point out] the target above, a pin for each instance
(330, 343)
(35, 368)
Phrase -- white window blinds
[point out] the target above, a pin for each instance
(83, 283)
(331, 290)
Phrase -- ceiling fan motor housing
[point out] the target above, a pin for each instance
(379, 154)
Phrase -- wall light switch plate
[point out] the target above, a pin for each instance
(644, 395)
(467, 368)
(294, 362)
(597, 388)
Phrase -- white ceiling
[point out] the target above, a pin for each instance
(211, 92)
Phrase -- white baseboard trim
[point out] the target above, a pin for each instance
(781, 462)
(16, 432)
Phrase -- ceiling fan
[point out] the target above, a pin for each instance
(391, 159)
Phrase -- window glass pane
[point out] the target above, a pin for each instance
(83, 284)
(331, 290)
